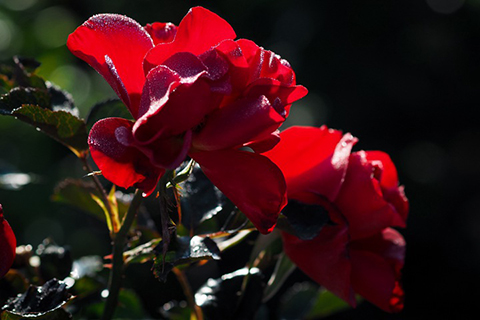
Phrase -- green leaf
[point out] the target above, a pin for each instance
(142, 253)
(297, 301)
(184, 250)
(107, 109)
(326, 304)
(41, 104)
(60, 125)
(55, 261)
(43, 303)
(80, 194)
(219, 298)
(129, 306)
(282, 271)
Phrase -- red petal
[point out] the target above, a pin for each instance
(281, 96)
(313, 160)
(265, 144)
(376, 266)
(252, 182)
(161, 32)
(361, 200)
(238, 123)
(8, 244)
(324, 259)
(122, 41)
(171, 103)
(199, 31)
(110, 142)
(389, 182)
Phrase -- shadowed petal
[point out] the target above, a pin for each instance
(237, 123)
(8, 243)
(161, 32)
(251, 181)
(110, 142)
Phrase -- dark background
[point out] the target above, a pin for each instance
(402, 76)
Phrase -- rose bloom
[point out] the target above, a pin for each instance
(8, 244)
(359, 252)
(193, 91)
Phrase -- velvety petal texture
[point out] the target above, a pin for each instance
(193, 91)
(115, 46)
(8, 245)
(250, 180)
(362, 187)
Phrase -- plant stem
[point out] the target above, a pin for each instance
(115, 280)
(103, 193)
(187, 291)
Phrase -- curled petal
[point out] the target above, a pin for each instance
(392, 192)
(199, 31)
(280, 95)
(8, 244)
(376, 265)
(251, 181)
(264, 144)
(111, 146)
(237, 123)
(361, 200)
(171, 103)
(161, 32)
(115, 46)
(313, 160)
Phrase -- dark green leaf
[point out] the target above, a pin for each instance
(306, 220)
(61, 99)
(219, 298)
(326, 304)
(60, 125)
(39, 302)
(297, 301)
(129, 306)
(107, 109)
(200, 199)
(78, 193)
(283, 269)
(183, 250)
(20, 96)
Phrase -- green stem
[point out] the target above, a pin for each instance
(115, 280)
(103, 193)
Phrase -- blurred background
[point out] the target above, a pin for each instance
(399, 75)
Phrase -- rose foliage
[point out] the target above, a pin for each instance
(193, 91)
(358, 252)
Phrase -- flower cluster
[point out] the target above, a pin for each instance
(7, 244)
(359, 252)
(194, 91)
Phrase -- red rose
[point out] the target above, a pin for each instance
(359, 253)
(8, 244)
(193, 91)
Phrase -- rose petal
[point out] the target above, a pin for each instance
(125, 42)
(313, 160)
(389, 182)
(238, 123)
(324, 259)
(376, 265)
(172, 104)
(161, 32)
(264, 144)
(199, 31)
(361, 200)
(251, 181)
(8, 243)
(110, 142)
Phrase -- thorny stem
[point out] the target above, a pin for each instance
(103, 193)
(115, 280)
(188, 293)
